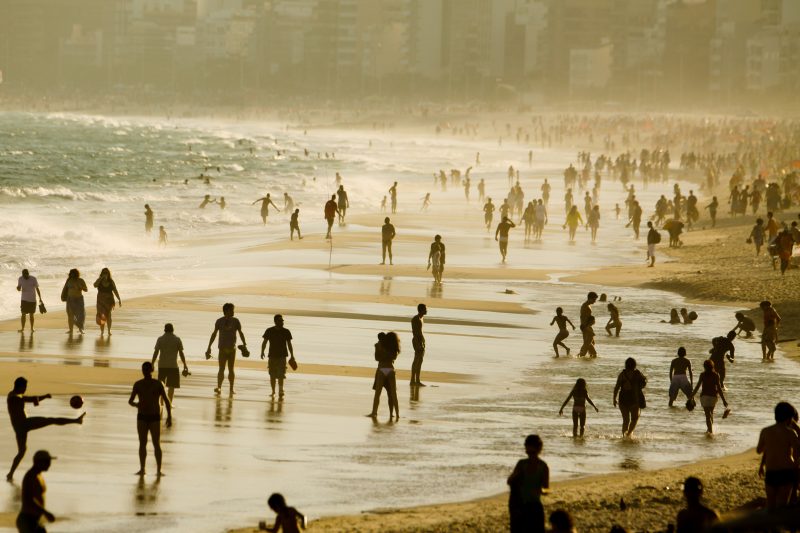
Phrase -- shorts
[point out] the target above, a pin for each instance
(28, 523)
(277, 367)
(780, 478)
(27, 308)
(578, 409)
(708, 402)
(503, 240)
(651, 250)
(171, 377)
(148, 419)
(227, 354)
(680, 382)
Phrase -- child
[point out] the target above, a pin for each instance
(617, 210)
(383, 205)
(588, 339)
(162, 236)
(529, 481)
(287, 516)
(562, 334)
(613, 321)
(579, 396)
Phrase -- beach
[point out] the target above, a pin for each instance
(490, 368)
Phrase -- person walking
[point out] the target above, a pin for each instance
(436, 258)
(711, 387)
(501, 235)
(29, 519)
(151, 395)
(769, 335)
(72, 294)
(343, 203)
(528, 482)
(780, 446)
(653, 238)
(579, 395)
(168, 348)
(227, 326)
(628, 394)
(418, 343)
(331, 210)
(148, 219)
(280, 349)
(106, 290)
(28, 286)
(678, 379)
(294, 225)
(387, 236)
(386, 351)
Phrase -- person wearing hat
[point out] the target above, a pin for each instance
(33, 489)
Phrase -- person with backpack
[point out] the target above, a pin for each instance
(653, 238)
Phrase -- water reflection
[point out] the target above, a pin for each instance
(145, 495)
(73, 342)
(25, 346)
(101, 344)
(275, 408)
(435, 290)
(386, 286)
(222, 415)
(414, 396)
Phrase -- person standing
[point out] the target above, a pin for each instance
(711, 389)
(630, 383)
(528, 482)
(29, 519)
(586, 309)
(502, 232)
(387, 235)
(780, 445)
(294, 225)
(266, 201)
(436, 258)
(481, 190)
(418, 343)
(168, 348)
(151, 394)
(393, 196)
(386, 351)
(72, 294)
(280, 348)
(636, 218)
(227, 326)
(331, 210)
(695, 516)
(488, 213)
(343, 203)
(769, 335)
(148, 219)
(678, 380)
(28, 286)
(288, 203)
(653, 238)
(22, 424)
(106, 290)
(614, 321)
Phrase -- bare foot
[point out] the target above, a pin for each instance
(372, 415)
(139, 473)
(160, 474)
(79, 420)
(21, 330)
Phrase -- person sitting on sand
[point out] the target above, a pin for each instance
(744, 325)
(780, 445)
(287, 518)
(678, 380)
(528, 482)
(770, 334)
(613, 322)
(709, 382)
(695, 516)
(562, 321)
(580, 396)
(688, 317)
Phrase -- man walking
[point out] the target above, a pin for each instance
(653, 238)
(280, 348)
(169, 346)
(29, 287)
(343, 203)
(148, 417)
(227, 326)
(331, 210)
(294, 225)
(418, 342)
(33, 489)
(387, 235)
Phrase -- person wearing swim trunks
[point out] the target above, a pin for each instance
(744, 325)
(168, 348)
(613, 322)
(294, 225)
(502, 231)
(561, 320)
(710, 388)
(770, 334)
(678, 380)
(418, 342)
(436, 258)
(580, 396)
(588, 339)
(387, 236)
(28, 286)
(331, 210)
(488, 213)
(227, 326)
(29, 519)
(280, 349)
(22, 424)
(151, 395)
(780, 445)
(586, 308)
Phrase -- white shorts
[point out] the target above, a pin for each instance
(651, 250)
(708, 402)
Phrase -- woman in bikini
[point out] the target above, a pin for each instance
(579, 396)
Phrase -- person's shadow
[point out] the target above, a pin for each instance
(73, 343)
(222, 414)
(145, 495)
(101, 344)
(23, 346)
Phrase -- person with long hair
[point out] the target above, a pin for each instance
(106, 290)
(579, 395)
(386, 351)
(72, 294)
(630, 383)
(574, 220)
(711, 386)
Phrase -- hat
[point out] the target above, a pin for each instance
(42, 455)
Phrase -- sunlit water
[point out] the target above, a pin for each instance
(453, 442)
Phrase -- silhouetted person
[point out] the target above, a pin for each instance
(711, 389)
(227, 326)
(287, 518)
(488, 213)
(780, 445)
(72, 294)
(630, 383)
(148, 219)
(162, 237)
(28, 286)
(33, 501)
(106, 291)
(418, 342)
(168, 348)
(151, 395)
(501, 235)
(294, 225)
(436, 258)
(393, 196)
(678, 378)
(614, 321)
(266, 201)
(695, 517)
(22, 424)
(561, 320)
(343, 203)
(331, 210)
(387, 236)
(386, 351)
(744, 325)
(528, 482)
(280, 349)
(579, 395)
(207, 200)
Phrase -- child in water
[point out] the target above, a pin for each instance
(287, 518)
(563, 333)
(579, 396)
(613, 322)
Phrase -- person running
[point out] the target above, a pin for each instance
(72, 294)
(488, 213)
(502, 231)
(481, 190)
(294, 225)
(628, 394)
(386, 351)
(342, 202)
(695, 516)
(579, 396)
(528, 482)
(148, 219)
(393, 196)
(227, 326)
(653, 238)
(106, 290)
(331, 210)
(266, 201)
(744, 325)
(426, 202)
(32, 495)
(710, 388)
(287, 518)
(613, 322)
(780, 446)
(280, 349)
(678, 380)
(28, 286)
(387, 236)
(721, 349)
(436, 258)
(769, 336)
(757, 235)
(418, 343)
(574, 220)
(561, 320)
(22, 424)
(151, 395)
(168, 348)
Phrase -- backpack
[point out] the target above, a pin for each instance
(656, 237)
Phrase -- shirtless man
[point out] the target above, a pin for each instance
(393, 196)
(769, 336)
(294, 225)
(33, 489)
(586, 308)
(148, 418)
(436, 258)
(488, 213)
(780, 445)
(22, 424)
(678, 380)
(227, 326)
(502, 232)
(722, 348)
(387, 236)
(561, 320)
(614, 321)
(266, 201)
(331, 210)
(418, 342)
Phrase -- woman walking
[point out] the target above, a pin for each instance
(72, 294)
(386, 351)
(630, 383)
(579, 396)
(710, 388)
(574, 220)
(106, 290)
